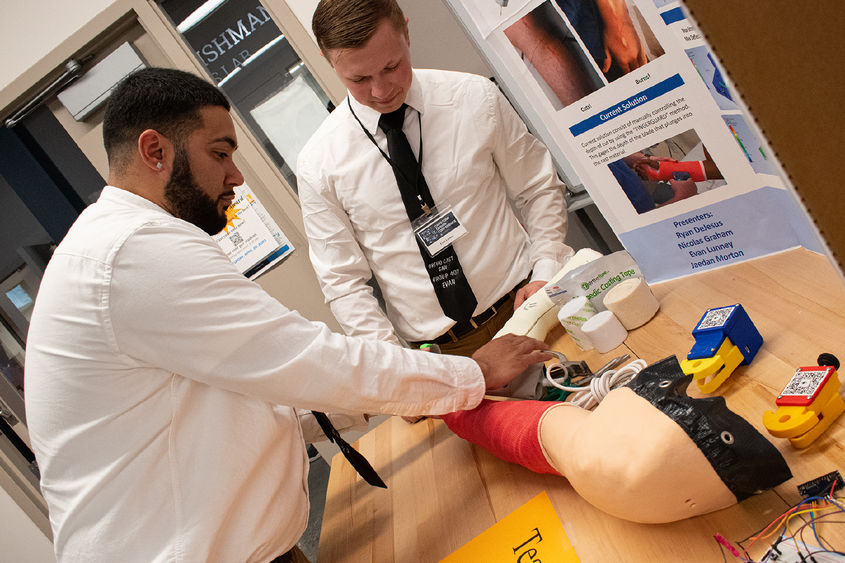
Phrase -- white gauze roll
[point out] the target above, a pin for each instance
(538, 314)
(605, 331)
(544, 324)
(632, 302)
(573, 314)
(529, 317)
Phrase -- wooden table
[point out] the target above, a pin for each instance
(444, 491)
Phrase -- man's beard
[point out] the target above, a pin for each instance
(187, 201)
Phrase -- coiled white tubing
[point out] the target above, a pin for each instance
(589, 396)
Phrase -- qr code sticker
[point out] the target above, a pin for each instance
(804, 383)
(715, 318)
(236, 239)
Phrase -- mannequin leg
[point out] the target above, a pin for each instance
(648, 452)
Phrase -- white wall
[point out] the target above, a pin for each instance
(303, 9)
(30, 29)
(20, 540)
(438, 40)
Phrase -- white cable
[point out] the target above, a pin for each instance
(589, 396)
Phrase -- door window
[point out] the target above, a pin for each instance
(252, 62)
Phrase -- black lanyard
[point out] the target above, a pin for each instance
(423, 205)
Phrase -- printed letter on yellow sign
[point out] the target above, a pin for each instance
(531, 533)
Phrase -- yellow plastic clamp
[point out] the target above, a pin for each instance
(710, 373)
(803, 424)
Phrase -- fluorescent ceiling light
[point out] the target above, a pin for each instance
(260, 52)
(229, 76)
(199, 14)
(257, 54)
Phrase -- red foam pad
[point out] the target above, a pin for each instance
(668, 167)
(507, 429)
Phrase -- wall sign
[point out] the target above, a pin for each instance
(251, 239)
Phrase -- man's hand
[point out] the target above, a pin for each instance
(621, 42)
(525, 292)
(634, 158)
(649, 168)
(683, 189)
(504, 358)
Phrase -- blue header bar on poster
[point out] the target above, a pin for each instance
(673, 15)
(627, 104)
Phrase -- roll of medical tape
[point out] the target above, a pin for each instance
(604, 331)
(632, 302)
(572, 315)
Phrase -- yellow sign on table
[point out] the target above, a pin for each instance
(532, 532)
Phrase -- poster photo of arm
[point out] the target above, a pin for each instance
(554, 56)
(664, 173)
(574, 47)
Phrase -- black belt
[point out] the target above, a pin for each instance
(459, 330)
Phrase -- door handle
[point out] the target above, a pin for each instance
(7, 415)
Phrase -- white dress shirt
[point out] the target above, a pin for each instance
(155, 375)
(478, 157)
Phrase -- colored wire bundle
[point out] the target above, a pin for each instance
(819, 510)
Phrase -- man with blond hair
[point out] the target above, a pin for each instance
(428, 182)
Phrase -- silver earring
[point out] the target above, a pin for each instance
(158, 165)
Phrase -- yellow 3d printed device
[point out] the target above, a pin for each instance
(725, 337)
(808, 404)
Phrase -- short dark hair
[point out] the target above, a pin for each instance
(348, 24)
(164, 99)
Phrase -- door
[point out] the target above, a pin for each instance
(39, 166)
(52, 166)
(253, 62)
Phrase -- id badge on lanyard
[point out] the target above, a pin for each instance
(438, 229)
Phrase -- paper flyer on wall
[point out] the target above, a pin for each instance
(251, 239)
(632, 96)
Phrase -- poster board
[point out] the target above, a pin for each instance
(794, 82)
(649, 123)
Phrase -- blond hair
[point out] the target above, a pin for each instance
(349, 24)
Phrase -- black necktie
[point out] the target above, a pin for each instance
(450, 284)
(353, 456)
